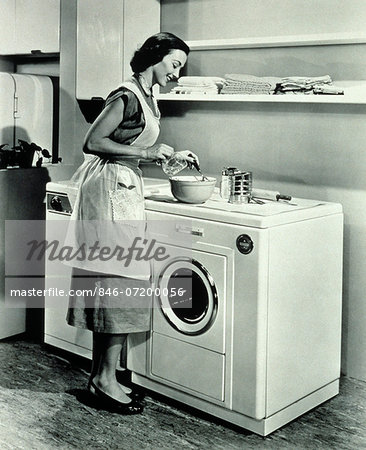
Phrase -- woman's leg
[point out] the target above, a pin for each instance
(96, 355)
(106, 350)
(123, 358)
(98, 350)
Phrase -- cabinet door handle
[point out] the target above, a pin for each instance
(16, 112)
(190, 230)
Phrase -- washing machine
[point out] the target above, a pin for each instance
(246, 323)
(60, 197)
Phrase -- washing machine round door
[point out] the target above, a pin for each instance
(188, 296)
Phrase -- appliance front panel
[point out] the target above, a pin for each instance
(188, 367)
(244, 329)
(58, 277)
(249, 322)
(188, 296)
(192, 301)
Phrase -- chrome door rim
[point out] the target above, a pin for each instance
(211, 313)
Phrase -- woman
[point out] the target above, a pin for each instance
(111, 190)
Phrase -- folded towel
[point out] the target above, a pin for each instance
(246, 90)
(294, 87)
(200, 81)
(307, 80)
(240, 78)
(326, 89)
(249, 84)
(307, 85)
(195, 89)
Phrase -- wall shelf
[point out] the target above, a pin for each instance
(354, 93)
(279, 41)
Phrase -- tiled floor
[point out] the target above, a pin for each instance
(44, 405)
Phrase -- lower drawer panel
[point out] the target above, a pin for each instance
(188, 366)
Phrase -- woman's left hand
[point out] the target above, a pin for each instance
(189, 156)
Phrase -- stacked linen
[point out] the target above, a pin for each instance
(249, 84)
(307, 85)
(326, 89)
(198, 85)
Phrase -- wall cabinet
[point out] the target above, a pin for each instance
(29, 26)
(106, 41)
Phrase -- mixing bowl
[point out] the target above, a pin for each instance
(190, 189)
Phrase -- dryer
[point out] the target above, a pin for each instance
(255, 337)
(191, 326)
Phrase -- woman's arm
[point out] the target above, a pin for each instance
(97, 141)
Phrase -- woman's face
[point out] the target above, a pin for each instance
(169, 67)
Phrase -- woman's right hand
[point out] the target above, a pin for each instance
(159, 152)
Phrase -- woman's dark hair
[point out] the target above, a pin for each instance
(154, 49)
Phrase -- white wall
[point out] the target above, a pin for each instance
(313, 151)
(210, 19)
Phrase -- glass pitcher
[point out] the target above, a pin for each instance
(173, 165)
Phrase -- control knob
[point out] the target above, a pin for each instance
(244, 244)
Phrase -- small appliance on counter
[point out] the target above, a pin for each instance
(236, 186)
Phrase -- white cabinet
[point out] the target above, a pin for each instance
(37, 25)
(106, 40)
(7, 27)
(29, 26)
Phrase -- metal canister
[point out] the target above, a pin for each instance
(240, 186)
(225, 181)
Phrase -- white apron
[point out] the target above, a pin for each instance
(109, 206)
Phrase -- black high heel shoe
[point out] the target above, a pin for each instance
(124, 378)
(111, 404)
(136, 395)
